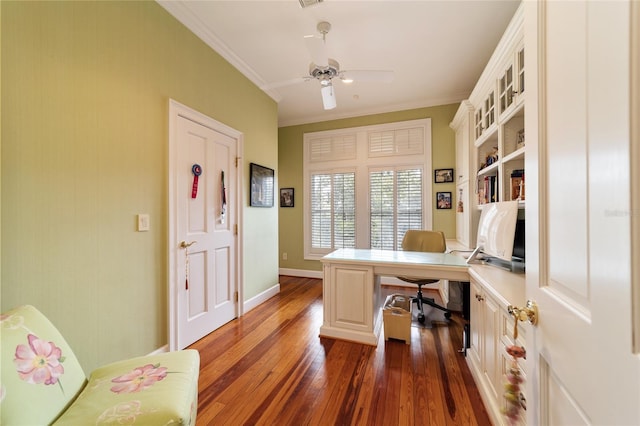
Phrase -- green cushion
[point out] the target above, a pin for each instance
(152, 390)
(40, 375)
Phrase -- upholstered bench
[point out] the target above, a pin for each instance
(43, 382)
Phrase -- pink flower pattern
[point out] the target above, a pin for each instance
(39, 361)
(139, 379)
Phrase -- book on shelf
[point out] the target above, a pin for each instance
(488, 190)
(517, 185)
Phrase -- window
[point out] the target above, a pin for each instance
(365, 187)
(333, 210)
(396, 200)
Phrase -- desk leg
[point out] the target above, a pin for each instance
(351, 303)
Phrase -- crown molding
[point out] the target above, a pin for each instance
(193, 23)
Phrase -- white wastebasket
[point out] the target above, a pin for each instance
(396, 315)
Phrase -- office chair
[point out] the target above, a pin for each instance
(428, 241)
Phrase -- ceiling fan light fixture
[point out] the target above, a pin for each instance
(328, 96)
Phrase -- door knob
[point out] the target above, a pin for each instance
(528, 313)
(184, 244)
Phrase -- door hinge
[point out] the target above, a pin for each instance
(235, 229)
(235, 296)
(237, 159)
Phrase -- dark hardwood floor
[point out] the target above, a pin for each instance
(271, 368)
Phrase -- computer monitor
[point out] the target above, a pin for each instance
(496, 230)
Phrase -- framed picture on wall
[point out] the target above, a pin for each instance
(443, 200)
(286, 197)
(261, 183)
(443, 175)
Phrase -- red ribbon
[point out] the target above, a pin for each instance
(197, 171)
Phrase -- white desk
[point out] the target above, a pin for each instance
(351, 286)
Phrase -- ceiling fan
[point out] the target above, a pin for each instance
(325, 69)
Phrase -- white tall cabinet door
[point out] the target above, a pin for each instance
(466, 211)
(581, 364)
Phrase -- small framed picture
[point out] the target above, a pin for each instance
(443, 175)
(443, 200)
(286, 197)
(520, 139)
(261, 186)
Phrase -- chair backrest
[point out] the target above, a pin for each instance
(40, 375)
(422, 240)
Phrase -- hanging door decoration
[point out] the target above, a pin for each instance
(223, 210)
(197, 171)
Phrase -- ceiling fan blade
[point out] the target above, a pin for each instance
(284, 83)
(328, 97)
(317, 50)
(367, 75)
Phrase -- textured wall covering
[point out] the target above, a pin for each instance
(85, 92)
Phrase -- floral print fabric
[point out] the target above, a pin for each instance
(39, 362)
(139, 379)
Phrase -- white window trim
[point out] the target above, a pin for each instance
(363, 164)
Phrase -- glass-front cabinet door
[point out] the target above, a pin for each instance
(479, 128)
(506, 89)
(520, 69)
(489, 110)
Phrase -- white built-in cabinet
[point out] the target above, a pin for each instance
(491, 333)
(490, 137)
(490, 154)
(466, 212)
(499, 139)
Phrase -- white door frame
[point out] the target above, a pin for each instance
(177, 110)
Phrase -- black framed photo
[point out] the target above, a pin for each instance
(443, 175)
(261, 186)
(286, 197)
(443, 200)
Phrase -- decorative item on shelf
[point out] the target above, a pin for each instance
(460, 208)
(490, 158)
(520, 139)
(443, 175)
(517, 185)
(286, 197)
(443, 200)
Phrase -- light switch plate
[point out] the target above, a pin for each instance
(143, 222)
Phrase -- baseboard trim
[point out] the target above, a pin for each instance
(160, 350)
(300, 273)
(260, 298)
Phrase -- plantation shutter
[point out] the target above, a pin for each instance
(395, 206)
(333, 212)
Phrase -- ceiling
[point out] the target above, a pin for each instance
(436, 49)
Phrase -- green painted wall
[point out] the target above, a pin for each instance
(290, 172)
(84, 133)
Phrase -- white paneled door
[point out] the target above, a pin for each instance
(203, 217)
(581, 362)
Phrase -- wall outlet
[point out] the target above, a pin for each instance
(284, 256)
(143, 222)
